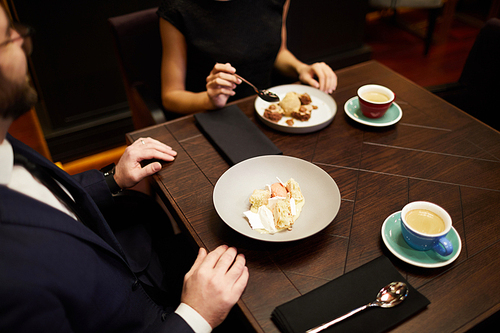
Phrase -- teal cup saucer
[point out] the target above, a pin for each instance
(392, 116)
(393, 239)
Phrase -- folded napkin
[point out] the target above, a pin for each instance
(235, 135)
(346, 293)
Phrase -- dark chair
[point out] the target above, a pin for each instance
(433, 7)
(477, 88)
(138, 49)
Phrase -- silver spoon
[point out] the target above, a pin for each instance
(389, 296)
(266, 95)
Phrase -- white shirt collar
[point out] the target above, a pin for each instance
(19, 179)
(6, 162)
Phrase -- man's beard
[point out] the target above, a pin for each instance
(16, 100)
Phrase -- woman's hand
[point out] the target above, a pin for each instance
(318, 75)
(221, 84)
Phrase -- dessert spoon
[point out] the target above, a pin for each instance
(389, 296)
(266, 95)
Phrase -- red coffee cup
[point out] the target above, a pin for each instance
(375, 100)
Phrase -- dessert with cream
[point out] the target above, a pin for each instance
(275, 208)
(293, 105)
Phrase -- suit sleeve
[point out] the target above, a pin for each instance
(174, 323)
(29, 310)
(94, 183)
(26, 309)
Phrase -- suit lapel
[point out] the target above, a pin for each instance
(103, 230)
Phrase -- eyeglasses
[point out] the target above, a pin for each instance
(25, 32)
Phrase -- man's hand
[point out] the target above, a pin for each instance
(215, 283)
(129, 172)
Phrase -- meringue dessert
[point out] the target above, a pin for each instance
(275, 208)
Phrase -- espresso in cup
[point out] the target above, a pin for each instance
(376, 97)
(425, 221)
(424, 226)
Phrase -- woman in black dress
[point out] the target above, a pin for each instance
(218, 38)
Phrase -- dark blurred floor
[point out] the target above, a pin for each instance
(403, 51)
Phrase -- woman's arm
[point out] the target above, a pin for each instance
(318, 75)
(175, 97)
(173, 74)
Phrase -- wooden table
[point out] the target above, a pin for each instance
(435, 153)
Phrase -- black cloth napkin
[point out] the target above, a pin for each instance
(346, 293)
(235, 135)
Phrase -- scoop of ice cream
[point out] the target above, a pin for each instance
(278, 190)
(290, 103)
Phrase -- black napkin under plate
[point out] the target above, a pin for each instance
(235, 135)
(346, 293)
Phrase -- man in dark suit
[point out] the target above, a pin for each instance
(61, 267)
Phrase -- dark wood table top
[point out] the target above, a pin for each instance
(435, 153)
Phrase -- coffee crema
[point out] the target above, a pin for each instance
(376, 97)
(425, 221)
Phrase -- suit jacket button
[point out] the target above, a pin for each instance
(135, 285)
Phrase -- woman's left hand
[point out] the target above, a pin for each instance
(318, 75)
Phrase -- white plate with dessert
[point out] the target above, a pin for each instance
(291, 115)
(235, 187)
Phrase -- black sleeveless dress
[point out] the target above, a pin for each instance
(245, 33)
